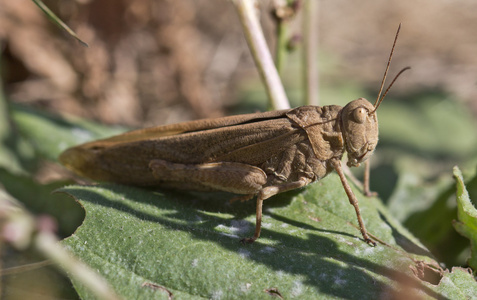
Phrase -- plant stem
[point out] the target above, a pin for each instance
(310, 48)
(48, 244)
(21, 229)
(261, 54)
(58, 22)
(281, 47)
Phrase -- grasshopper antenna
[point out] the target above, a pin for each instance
(380, 99)
(387, 90)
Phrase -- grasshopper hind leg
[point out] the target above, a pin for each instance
(217, 176)
(225, 176)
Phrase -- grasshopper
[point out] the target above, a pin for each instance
(258, 154)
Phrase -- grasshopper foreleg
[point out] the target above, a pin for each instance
(352, 199)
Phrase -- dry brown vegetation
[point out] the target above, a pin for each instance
(152, 62)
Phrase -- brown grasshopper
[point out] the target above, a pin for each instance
(258, 154)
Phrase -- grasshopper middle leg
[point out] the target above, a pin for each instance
(266, 193)
(367, 170)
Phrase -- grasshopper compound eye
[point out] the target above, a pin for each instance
(360, 114)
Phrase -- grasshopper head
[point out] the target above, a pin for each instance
(359, 125)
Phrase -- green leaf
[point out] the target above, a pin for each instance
(427, 209)
(35, 135)
(39, 200)
(12, 148)
(51, 134)
(149, 243)
(431, 125)
(457, 284)
(466, 224)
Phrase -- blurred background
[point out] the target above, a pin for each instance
(153, 62)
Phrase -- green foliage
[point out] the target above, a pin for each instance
(40, 200)
(431, 125)
(13, 149)
(27, 137)
(466, 224)
(50, 135)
